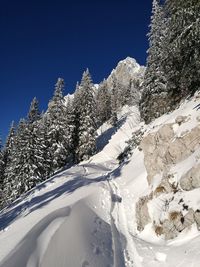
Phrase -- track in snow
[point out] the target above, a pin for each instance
(125, 253)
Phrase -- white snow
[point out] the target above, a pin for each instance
(160, 256)
(85, 216)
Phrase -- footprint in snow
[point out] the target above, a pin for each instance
(97, 221)
(85, 264)
(94, 232)
(96, 250)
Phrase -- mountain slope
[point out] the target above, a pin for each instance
(87, 215)
(70, 214)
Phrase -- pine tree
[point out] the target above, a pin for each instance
(57, 132)
(85, 118)
(34, 114)
(13, 183)
(135, 93)
(114, 103)
(31, 170)
(9, 142)
(103, 102)
(125, 92)
(23, 170)
(6, 159)
(70, 130)
(182, 61)
(2, 175)
(2, 164)
(154, 94)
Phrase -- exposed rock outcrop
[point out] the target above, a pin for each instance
(126, 70)
(191, 179)
(197, 218)
(142, 213)
(162, 150)
(165, 149)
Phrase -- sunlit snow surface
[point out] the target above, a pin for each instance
(85, 216)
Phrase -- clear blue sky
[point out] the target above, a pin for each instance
(43, 40)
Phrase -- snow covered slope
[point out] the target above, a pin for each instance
(70, 219)
(86, 215)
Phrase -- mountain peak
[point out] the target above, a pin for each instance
(126, 70)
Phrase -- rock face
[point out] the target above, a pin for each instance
(142, 213)
(162, 150)
(155, 147)
(176, 223)
(127, 78)
(126, 70)
(197, 218)
(191, 179)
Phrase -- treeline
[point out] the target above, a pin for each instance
(65, 134)
(173, 64)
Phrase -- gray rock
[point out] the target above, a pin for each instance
(169, 229)
(197, 218)
(142, 213)
(189, 219)
(191, 179)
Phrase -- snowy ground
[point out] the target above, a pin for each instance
(85, 216)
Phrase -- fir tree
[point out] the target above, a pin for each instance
(114, 103)
(6, 156)
(13, 183)
(85, 118)
(103, 102)
(34, 114)
(70, 130)
(9, 142)
(45, 159)
(57, 132)
(182, 61)
(2, 170)
(154, 85)
(2, 164)
(126, 96)
(23, 169)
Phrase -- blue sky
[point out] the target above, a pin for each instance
(43, 40)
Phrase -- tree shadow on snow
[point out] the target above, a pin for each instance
(105, 137)
(27, 203)
(27, 206)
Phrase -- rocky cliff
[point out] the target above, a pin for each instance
(171, 148)
(126, 70)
